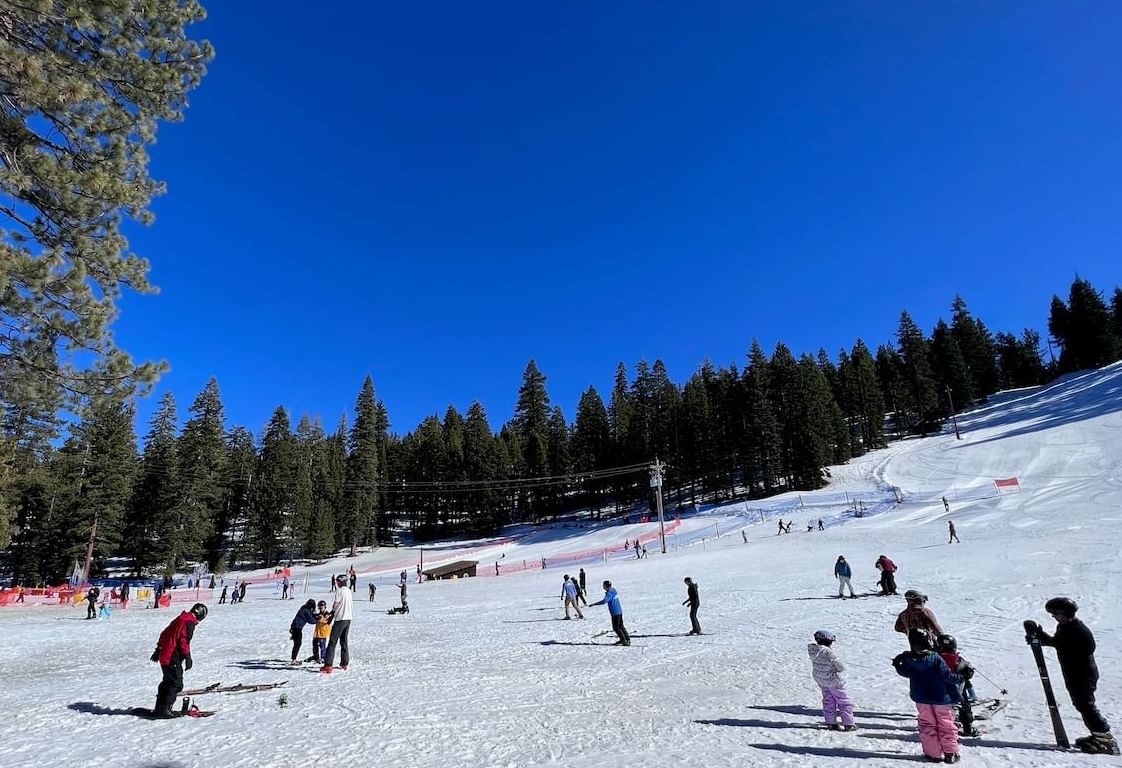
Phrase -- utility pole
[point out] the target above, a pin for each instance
(950, 398)
(657, 470)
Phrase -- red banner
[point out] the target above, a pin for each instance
(1007, 483)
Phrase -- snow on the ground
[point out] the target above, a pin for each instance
(484, 672)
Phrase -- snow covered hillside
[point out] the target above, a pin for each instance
(485, 672)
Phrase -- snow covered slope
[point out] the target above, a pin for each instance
(484, 672)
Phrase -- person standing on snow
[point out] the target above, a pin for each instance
(947, 648)
(917, 615)
(887, 570)
(615, 609)
(843, 573)
(373, 589)
(693, 600)
(342, 611)
(1075, 648)
(954, 536)
(404, 596)
(222, 599)
(284, 589)
(173, 652)
(581, 593)
(827, 672)
(934, 689)
(569, 596)
(91, 597)
(946, 505)
(125, 596)
(306, 615)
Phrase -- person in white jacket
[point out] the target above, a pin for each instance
(569, 592)
(342, 611)
(827, 671)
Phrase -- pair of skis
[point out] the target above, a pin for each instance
(237, 688)
(1033, 639)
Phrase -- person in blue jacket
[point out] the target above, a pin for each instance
(615, 609)
(306, 615)
(934, 689)
(843, 573)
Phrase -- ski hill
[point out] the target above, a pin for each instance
(485, 672)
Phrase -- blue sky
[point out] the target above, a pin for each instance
(434, 193)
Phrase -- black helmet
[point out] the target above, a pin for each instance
(199, 611)
(946, 644)
(919, 639)
(824, 637)
(321, 604)
(1062, 605)
(841, 557)
(607, 584)
(915, 596)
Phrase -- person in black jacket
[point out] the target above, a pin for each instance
(693, 600)
(306, 615)
(91, 598)
(1075, 648)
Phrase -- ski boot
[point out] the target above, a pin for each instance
(849, 728)
(950, 757)
(1098, 744)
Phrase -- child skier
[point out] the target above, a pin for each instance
(933, 688)
(1075, 648)
(947, 648)
(827, 672)
(321, 633)
(306, 615)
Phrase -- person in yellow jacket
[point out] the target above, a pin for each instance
(321, 634)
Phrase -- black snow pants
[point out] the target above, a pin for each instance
(620, 630)
(340, 632)
(693, 619)
(1083, 699)
(170, 687)
(297, 641)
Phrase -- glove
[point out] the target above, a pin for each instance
(188, 663)
(968, 672)
(155, 655)
(1032, 631)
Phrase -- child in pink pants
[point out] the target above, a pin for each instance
(934, 688)
(827, 671)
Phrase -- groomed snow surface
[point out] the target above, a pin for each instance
(484, 672)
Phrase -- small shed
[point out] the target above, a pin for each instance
(456, 570)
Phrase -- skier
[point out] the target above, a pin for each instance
(615, 609)
(946, 505)
(843, 573)
(780, 526)
(637, 555)
(105, 611)
(404, 597)
(947, 647)
(744, 536)
(403, 575)
(222, 599)
(887, 570)
(212, 581)
(125, 596)
(372, 589)
(787, 526)
(821, 527)
(354, 580)
(693, 600)
(580, 592)
(306, 615)
(91, 598)
(284, 589)
(569, 597)
(342, 611)
(583, 590)
(420, 576)
(321, 633)
(933, 688)
(644, 551)
(1075, 648)
(954, 536)
(827, 672)
(917, 615)
(173, 651)
(241, 592)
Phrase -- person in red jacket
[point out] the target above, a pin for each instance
(887, 570)
(173, 651)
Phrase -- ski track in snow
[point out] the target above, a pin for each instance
(484, 672)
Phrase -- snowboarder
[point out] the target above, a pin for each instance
(404, 597)
(934, 689)
(1075, 648)
(693, 600)
(91, 598)
(306, 615)
(954, 536)
(569, 597)
(373, 589)
(917, 615)
(843, 573)
(222, 599)
(615, 609)
(342, 611)
(887, 570)
(173, 652)
(827, 672)
(947, 648)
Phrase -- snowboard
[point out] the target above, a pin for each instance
(1046, 681)
(147, 714)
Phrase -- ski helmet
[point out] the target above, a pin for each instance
(824, 636)
(1062, 605)
(915, 596)
(919, 639)
(199, 611)
(321, 605)
(946, 644)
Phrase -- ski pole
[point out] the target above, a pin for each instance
(991, 682)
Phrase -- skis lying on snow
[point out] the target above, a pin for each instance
(238, 688)
(1049, 696)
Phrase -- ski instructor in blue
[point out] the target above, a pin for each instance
(615, 609)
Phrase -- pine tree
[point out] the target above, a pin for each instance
(1116, 311)
(1084, 328)
(482, 465)
(455, 470)
(620, 416)
(950, 367)
(274, 493)
(241, 468)
(696, 430)
(824, 437)
(666, 400)
(531, 424)
(85, 85)
(309, 441)
(592, 442)
(329, 479)
(202, 469)
(918, 379)
(151, 533)
(868, 397)
(976, 345)
(358, 524)
(890, 378)
(1021, 365)
(429, 460)
(764, 450)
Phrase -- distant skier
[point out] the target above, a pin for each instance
(420, 576)
(173, 652)
(569, 597)
(637, 555)
(125, 589)
(284, 589)
(917, 615)
(947, 648)
(1075, 648)
(954, 536)
(342, 611)
(372, 589)
(744, 536)
(222, 599)
(354, 580)
(787, 526)
(780, 527)
(212, 581)
(827, 672)
(946, 505)
(306, 615)
(887, 570)
(404, 596)
(821, 527)
(583, 589)
(693, 600)
(615, 609)
(91, 597)
(934, 689)
(404, 575)
(843, 573)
